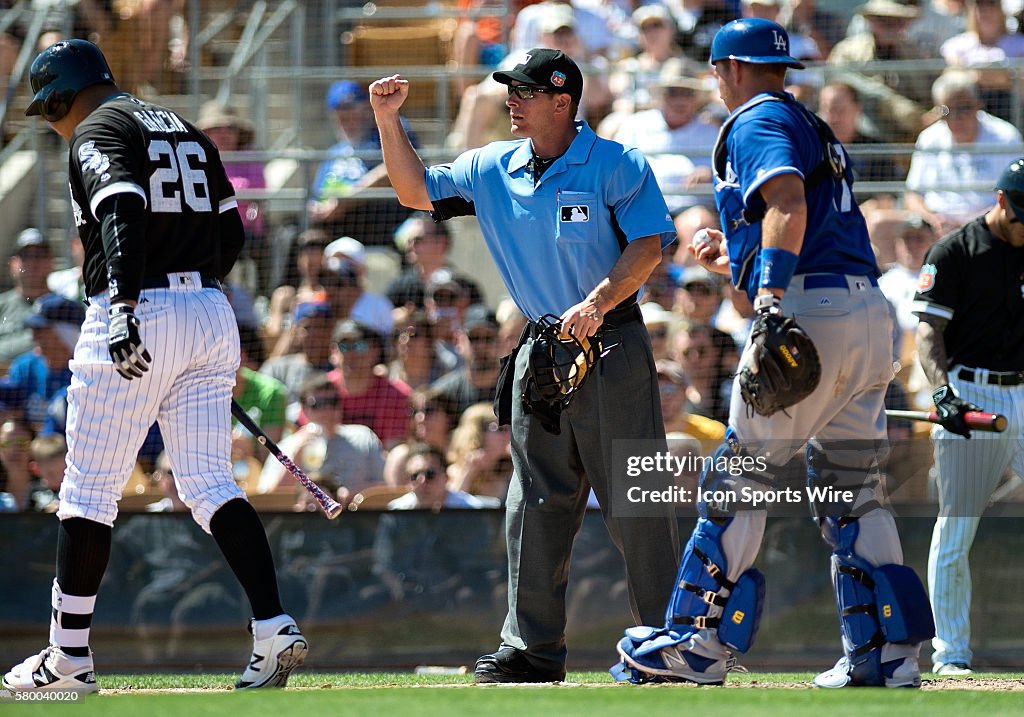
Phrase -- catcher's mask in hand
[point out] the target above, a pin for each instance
(560, 363)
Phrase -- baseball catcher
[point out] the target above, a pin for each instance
(780, 366)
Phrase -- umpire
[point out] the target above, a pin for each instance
(970, 303)
(575, 224)
(160, 228)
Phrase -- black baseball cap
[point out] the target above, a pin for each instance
(551, 69)
(1011, 184)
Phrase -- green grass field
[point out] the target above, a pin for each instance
(587, 694)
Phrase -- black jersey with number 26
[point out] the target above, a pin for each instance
(130, 146)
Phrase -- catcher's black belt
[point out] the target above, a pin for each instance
(993, 378)
(166, 281)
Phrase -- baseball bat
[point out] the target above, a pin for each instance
(331, 507)
(976, 420)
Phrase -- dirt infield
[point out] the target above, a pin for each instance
(982, 684)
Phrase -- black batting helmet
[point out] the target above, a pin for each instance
(60, 72)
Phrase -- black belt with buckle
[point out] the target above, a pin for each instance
(994, 378)
(164, 281)
(618, 316)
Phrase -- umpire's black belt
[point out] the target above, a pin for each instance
(619, 316)
(993, 378)
(181, 279)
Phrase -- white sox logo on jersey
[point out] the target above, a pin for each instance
(92, 160)
(75, 208)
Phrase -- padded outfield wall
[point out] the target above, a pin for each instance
(380, 590)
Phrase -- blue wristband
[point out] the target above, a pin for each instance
(777, 267)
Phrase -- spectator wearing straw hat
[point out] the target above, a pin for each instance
(233, 133)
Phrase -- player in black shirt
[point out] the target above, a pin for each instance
(970, 302)
(160, 228)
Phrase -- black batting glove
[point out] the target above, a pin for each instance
(951, 409)
(129, 354)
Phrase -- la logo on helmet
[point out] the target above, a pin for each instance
(780, 41)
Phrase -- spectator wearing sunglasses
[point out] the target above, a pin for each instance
(709, 358)
(475, 380)
(674, 389)
(349, 453)
(698, 295)
(949, 182)
(426, 472)
(426, 555)
(417, 362)
(360, 375)
(430, 422)
(660, 325)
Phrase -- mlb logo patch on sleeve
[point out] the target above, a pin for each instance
(926, 279)
(575, 213)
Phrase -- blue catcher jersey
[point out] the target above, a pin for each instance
(771, 135)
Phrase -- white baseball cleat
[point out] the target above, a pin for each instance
(51, 669)
(274, 657)
(952, 669)
(903, 672)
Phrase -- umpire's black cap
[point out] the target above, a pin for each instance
(1011, 184)
(550, 69)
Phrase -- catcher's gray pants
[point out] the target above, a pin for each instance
(851, 327)
(548, 496)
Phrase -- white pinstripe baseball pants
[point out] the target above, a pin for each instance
(193, 338)
(968, 471)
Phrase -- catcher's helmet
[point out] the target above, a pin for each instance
(1011, 184)
(755, 40)
(60, 72)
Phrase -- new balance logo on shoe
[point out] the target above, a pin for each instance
(51, 669)
(274, 658)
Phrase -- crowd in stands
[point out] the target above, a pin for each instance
(383, 392)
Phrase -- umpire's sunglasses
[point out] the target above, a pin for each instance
(525, 92)
(1016, 201)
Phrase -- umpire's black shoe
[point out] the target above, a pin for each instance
(510, 665)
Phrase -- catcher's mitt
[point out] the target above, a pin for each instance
(780, 367)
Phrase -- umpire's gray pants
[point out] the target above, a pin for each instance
(548, 495)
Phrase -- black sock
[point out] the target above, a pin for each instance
(240, 535)
(83, 551)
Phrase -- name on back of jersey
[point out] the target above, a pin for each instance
(160, 121)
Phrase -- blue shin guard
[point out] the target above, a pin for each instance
(703, 599)
(876, 605)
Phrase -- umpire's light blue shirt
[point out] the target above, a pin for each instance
(555, 242)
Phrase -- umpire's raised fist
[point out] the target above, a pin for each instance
(129, 354)
(388, 94)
